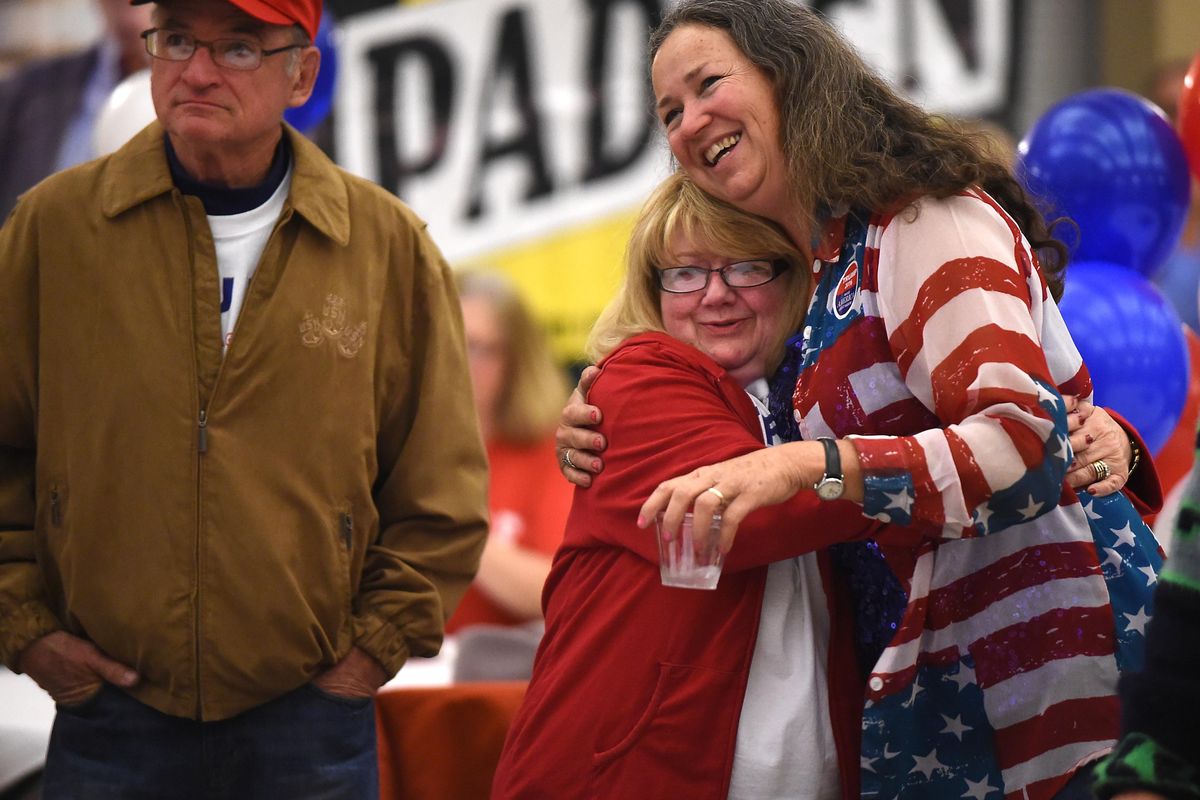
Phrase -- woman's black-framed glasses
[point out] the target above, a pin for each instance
(740, 275)
(232, 53)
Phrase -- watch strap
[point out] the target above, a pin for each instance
(833, 459)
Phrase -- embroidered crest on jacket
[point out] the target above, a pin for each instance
(332, 325)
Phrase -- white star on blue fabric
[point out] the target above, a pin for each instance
(979, 789)
(1049, 396)
(1064, 449)
(891, 755)
(964, 677)
(901, 500)
(1124, 535)
(955, 726)
(1087, 509)
(867, 763)
(1137, 622)
(912, 698)
(1113, 558)
(1151, 575)
(982, 514)
(927, 764)
(1031, 509)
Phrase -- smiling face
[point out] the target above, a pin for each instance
(721, 119)
(208, 109)
(740, 329)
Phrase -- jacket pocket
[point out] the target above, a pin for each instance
(688, 704)
(684, 736)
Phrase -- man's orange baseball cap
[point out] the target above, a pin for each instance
(305, 13)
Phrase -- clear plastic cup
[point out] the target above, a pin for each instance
(684, 564)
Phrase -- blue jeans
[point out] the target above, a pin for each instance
(306, 744)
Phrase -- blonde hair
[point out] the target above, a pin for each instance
(678, 206)
(535, 388)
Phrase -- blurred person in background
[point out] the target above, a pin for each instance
(518, 392)
(214, 548)
(48, 108)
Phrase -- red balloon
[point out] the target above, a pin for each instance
(1189, 116)
(1174, 459)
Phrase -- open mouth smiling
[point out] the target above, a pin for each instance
(718, 149)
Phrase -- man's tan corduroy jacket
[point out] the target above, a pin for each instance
(230, 525)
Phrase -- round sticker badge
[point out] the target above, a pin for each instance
(847, 291)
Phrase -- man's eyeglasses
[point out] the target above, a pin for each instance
(232, 53)
(742, 275)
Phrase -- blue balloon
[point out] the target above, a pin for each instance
(1133, 344)
(1111, 161)
(308, 116)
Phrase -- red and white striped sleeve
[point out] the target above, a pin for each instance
(963, 307)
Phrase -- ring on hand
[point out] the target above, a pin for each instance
(566, 458)
(718, 493)
(1100, 469)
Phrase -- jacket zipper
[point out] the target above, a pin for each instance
(347, 529)
(202, 442)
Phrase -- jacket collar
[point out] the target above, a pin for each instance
(138, 173)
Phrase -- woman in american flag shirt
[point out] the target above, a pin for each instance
(935, 361)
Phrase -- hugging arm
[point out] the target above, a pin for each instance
(665, 418)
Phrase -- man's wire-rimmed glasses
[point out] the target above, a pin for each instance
(236, 54)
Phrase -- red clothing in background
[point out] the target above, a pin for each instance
(528, 500)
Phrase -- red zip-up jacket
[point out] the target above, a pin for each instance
(637, 688)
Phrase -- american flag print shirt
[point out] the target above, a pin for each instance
(933, 340)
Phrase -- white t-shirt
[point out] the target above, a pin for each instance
(785, 747)
(240, 240)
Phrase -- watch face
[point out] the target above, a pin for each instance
(830, 489)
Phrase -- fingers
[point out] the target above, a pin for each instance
(1080, 477)
(1071, 401)
(578, 466)
(708, 504)
(584, 440)
(577, 413)
(586, 379)
(731, 518)
(72, 669)
(110, 670)
(1110, 485)
(674, 498)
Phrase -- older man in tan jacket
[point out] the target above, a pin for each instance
(240, 477)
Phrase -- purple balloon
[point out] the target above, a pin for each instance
(1133, 344)
(1110, 161)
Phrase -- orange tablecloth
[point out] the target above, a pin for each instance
(443, 743)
